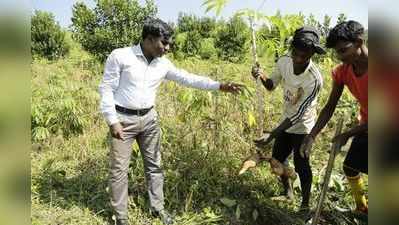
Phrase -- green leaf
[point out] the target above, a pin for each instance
(209, 8)
(255, 214)
(228, 202)
(238, 212)
(251, 119)
(254, 15)
(216, 5)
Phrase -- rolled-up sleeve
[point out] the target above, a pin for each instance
(191, 80)
(107, 88)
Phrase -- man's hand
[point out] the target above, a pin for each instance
(257, 72)
(116, 130)
(264, 140)
(231, 87)
(341, 139)
(269, 136)
(306, 146)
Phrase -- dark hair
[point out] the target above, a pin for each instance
(156, 28)
(345, 31)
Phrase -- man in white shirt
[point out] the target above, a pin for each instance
(132, 76)
(301, 81)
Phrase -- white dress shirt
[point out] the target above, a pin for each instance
(131, 82)
(300, 94)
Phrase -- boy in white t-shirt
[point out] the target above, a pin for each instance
(301, 82)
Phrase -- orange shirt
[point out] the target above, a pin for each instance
(358, 86)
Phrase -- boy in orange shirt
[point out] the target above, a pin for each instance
(347, 39)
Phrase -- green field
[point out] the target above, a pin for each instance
(205, 137)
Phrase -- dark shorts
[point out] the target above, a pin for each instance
(285, 144)
(357, 157)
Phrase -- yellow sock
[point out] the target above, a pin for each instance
(356, 184)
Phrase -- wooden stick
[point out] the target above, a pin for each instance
(334, 151)
(258, 82)
(253, 37)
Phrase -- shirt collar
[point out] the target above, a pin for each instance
(306, 69)
(139, 52)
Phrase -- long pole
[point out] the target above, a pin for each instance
(334, 151)
(259, 95)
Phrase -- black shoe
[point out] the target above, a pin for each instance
(122, 222)
(165, 217)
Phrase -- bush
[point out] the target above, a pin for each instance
(207, 49)
(192, 36)
(232, 40)
(207, 27)
(110, 25)
(187, 22)
(192, 43)
(56, 118)
(64, 100)
(179, 40)
(187, 44)
(47, 37)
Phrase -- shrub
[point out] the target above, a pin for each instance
(232, 40)
(110, 25)
(47, 37)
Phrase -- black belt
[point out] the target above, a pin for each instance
(137, 112)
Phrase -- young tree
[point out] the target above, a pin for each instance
(110, 25)
(47, 37)
(195, 36)
(232, 40)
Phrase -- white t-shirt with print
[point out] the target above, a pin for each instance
(300, 94)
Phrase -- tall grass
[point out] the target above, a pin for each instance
(205, 136)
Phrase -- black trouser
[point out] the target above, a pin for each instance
(356, 160)
(284, 145)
